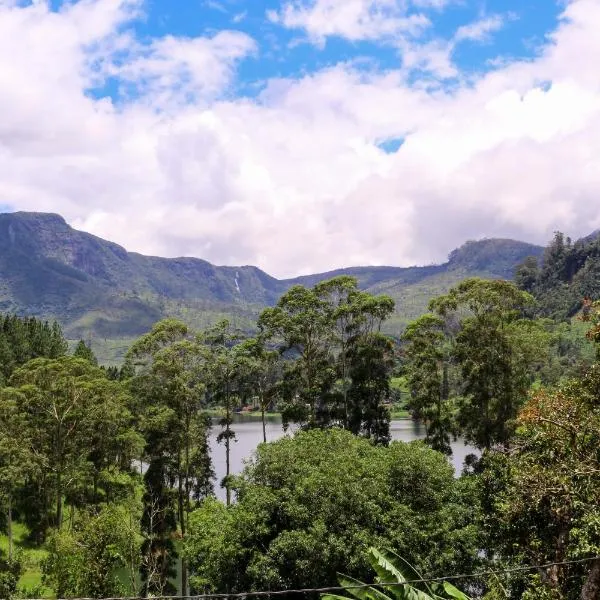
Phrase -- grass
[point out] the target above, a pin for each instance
(31, 557)
(399, 413)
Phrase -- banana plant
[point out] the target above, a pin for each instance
(391, 583)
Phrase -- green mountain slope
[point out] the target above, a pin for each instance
(101, 292)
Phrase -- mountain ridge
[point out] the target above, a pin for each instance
(97, 289)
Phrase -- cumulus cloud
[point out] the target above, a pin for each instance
(351, 19)
(293, 180)
(185, 69)
(479, 30)
(399, 23)
(435, 57)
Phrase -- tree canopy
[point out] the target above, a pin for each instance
(310, 506)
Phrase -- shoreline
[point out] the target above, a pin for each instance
(395, 415)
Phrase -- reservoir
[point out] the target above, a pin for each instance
(248, 430)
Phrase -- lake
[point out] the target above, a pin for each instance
(248, 431)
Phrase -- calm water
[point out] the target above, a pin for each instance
(249, 434)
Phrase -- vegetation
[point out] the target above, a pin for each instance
(309, 506)
(100, 292)
(469, 363)
(341, 374)
(393, 577)
(106, 475)
(566, 276)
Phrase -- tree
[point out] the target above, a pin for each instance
(362, 354)
(10, 571)
(308, 506)
(545, 494)
(22, 339)
(370, 361)
(228, 367)
(57, 399)
(427, 368)
(88, 559)
(72, 429)
(526, 274)
(393, 577)
(83, 350)
(301, 321)
(265, 369)
(322, 329)
(16, 459)
(159, 521)
(490, 346)
(171, 385)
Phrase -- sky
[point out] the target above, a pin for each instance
(303, 135)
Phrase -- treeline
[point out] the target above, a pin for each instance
(110, 469)
(105, 466)
(568, 273)
(22, 339)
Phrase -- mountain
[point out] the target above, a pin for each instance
(99, 291)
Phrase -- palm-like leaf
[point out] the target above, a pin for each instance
(393, 569)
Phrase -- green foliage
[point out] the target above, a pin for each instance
(76, 427)
(370, 361)
(228, 369)
(22, 339)
(427, 366)
(10, 571)
(97, 290)
(171, 370)
(87, 560)
(310, 506)
(568, 274)
(397, 573)
(339, 364)
(471, 362)
(545, 497)
(82, 350)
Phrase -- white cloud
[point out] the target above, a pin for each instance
(395, 22)
(292, 181)
(351, 19)
(185, 69)
(479, 30)
(435, 56)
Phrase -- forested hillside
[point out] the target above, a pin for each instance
(102, 293)
(565, 275)
(107, 477)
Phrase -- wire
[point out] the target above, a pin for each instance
(352, 587)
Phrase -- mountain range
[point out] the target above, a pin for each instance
(100, 292)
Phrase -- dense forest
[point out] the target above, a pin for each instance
(107, 482)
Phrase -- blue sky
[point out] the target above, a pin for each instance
(289, 52)
(303, 135)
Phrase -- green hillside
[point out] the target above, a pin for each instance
(100, 292)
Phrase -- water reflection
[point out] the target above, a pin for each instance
(249, 434)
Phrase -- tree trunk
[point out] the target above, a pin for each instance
(556, 572)
(262, 408)
(184, 565)
(95, 491)
(591, 587)
(59, 500)
(9, 529)
(227, 429)
(180, 496)
(345, 388)
(185, 509)
(184, 577)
